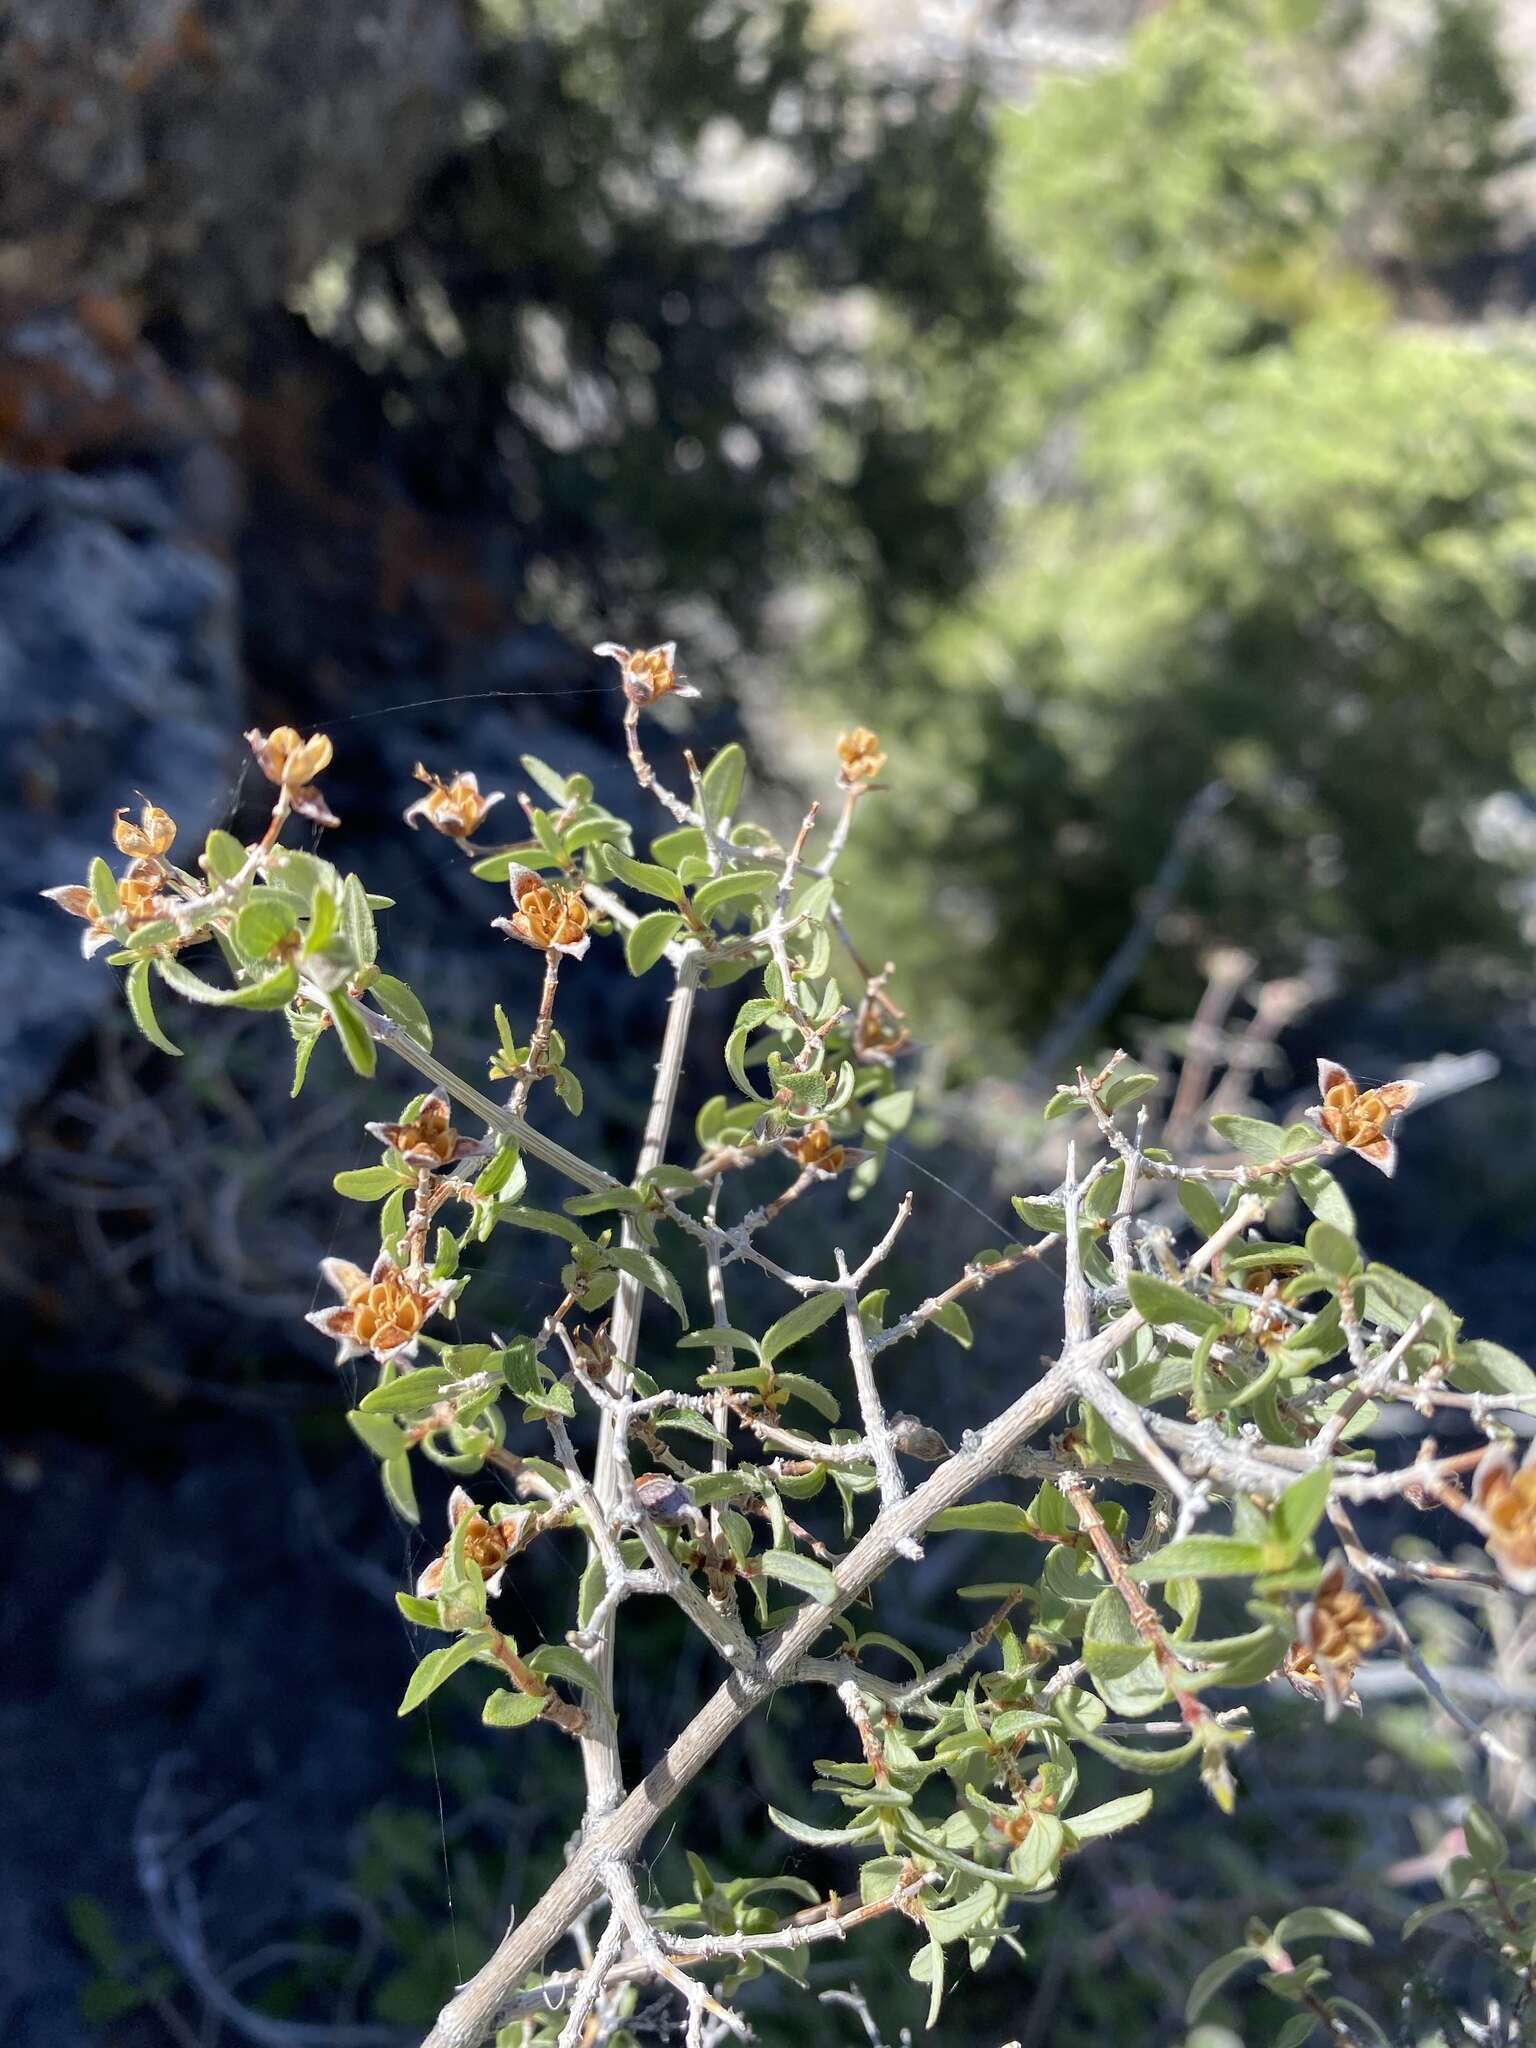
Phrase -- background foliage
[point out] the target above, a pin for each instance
(1093, 437)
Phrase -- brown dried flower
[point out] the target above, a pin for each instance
(153, 836)
(1505, 1495)
(1334, 1630)
(547, 916)
(486, 1544)
(860, 756)
(429, 1139)
(592, 1351)
(138, 903)
(1358, 1117)
(381, 1312)
(456, 808)
(648, 672)
(815, 1147)
(292, 763)
(878, 1034)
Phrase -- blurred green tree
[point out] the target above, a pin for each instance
(1251, 525)
(632, 313)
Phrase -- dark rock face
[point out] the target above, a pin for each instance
(117, 673)
(177, 164)
(208, 152)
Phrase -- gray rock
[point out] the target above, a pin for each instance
(207, 153)
(118, 674)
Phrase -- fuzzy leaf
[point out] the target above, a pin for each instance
(648, 940)
(801, 1320)
(803, 1573)
(437, 1666)
(142, 1007)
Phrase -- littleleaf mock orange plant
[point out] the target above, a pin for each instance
(455, 808)
(648, 672)
(545, 915)
(816, 1147)
(153, 836)
(1357, 1117)
(138, 903)
(380, 1312)
(487, 1545)
(860, 757)
(293, 763)
(1504, 1495)
(1334, 1630)
(429, 1139)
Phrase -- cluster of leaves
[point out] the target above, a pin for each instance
(1271, 1353)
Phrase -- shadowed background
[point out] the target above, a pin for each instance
(1129, 411)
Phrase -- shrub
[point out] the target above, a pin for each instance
(1178, 1495)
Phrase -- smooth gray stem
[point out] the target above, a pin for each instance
(600, 1748)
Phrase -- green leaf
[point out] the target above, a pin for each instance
(1125, 1087)
(141, 1006)
(1213, 1976)
(1332, 1250)
(714, 1340)
(649, 939)
(720, 784)
(1320, 1922)
(418, 1389)
(502, 1167)
(824, 1838)
(366, 1183)
(505, 1708)
(546, 1220)
(640, 874)
(740, 885)
(1039, 1214)
(810, 1391)
(1324, 1197)
(954, 1322)
(803, 1573)
(439, 1665)
(399, 1487)
(1203, 1557)
(223, 856)
(401, 1006)
(1301, 1507)
(649, 1270)
(1486, 1845)
(1201, 1207)
(1034, 1862)
(1112, 1816)
(1256, 1140)
(801, 1320)
(1161, 1301)
(927, 1967)
(996, 1517)
(1482, 1367)
(380, 1435)
(103, 887)
(358, 928)
(322, 920)
(1395, 1301)
(1299, 2028)
(559, 1660)
(356, 1043)
(262, 925)
(550, 780)
(888, 1115)
(274, 992)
